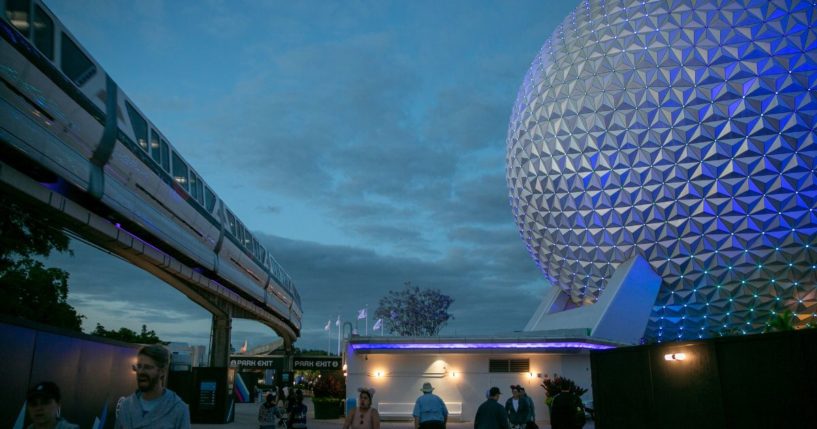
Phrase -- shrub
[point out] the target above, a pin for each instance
(556, 384)
(329, 385)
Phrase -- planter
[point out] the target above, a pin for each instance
(327, 408)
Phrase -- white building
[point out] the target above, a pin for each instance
(463, 369)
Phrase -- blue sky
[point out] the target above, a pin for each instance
(362, 141)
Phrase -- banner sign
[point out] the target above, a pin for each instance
(317, 363)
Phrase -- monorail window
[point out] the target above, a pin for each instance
(180, 172)
(231, 223)
(198, 192)
(193, 181)
(154, 147)
(240, 229)
(165, 149)
(75, 64)
(140, 127)
(43, 36)
(209, 199)
(17, 13)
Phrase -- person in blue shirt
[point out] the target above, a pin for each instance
(430, 411)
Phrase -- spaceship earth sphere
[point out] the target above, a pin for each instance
(682, 131)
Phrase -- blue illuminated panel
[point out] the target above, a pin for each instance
(481, 346)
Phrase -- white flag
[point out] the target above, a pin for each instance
(361, 314)
(328, 322)
(337, 322)
(377, 324)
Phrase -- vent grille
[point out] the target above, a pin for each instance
(509, 365)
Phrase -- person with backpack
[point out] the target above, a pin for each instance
(566, 410)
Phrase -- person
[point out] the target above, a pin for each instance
(490, 414)
(282, 403)
(152, 405)
(363, 416)
(529, 401)
(43, 406)
(268, 413)
(566, 410)
(517, 408)
(430, 411)
(297, 410)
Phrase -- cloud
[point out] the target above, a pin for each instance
(336, 280)
(270, 209)
(486, 272)
(382, 125)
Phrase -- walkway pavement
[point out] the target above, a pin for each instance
(246, 414)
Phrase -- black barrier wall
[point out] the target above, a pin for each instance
(92, 373)
(756, 381)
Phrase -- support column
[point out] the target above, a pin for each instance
(220, 341)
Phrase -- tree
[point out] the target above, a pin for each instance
(309, 352)
(784, 321)
(28, 288)
(415, 312)
(128, 336)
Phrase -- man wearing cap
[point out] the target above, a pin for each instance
(43, 404)
(518, 408)
(430, 411)
(152, 405)
(491, 414)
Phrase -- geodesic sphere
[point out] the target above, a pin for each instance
(682, 131)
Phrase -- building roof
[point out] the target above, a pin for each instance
(553, 341)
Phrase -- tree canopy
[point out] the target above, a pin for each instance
(415, 312)
(28, 288)
(127, 335)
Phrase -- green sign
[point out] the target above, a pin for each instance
(256, 362)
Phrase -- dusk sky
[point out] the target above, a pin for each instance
(362, 141)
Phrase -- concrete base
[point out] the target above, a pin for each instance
(620, 314)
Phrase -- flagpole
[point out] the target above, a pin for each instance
(329, 338)
(338, 323)
(367, 319)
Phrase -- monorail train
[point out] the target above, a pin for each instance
(60, 110)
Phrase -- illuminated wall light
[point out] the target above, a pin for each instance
(675, 356)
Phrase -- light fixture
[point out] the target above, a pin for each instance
(378, 373)
(453, 373)
(675, 356)
(482, 346)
